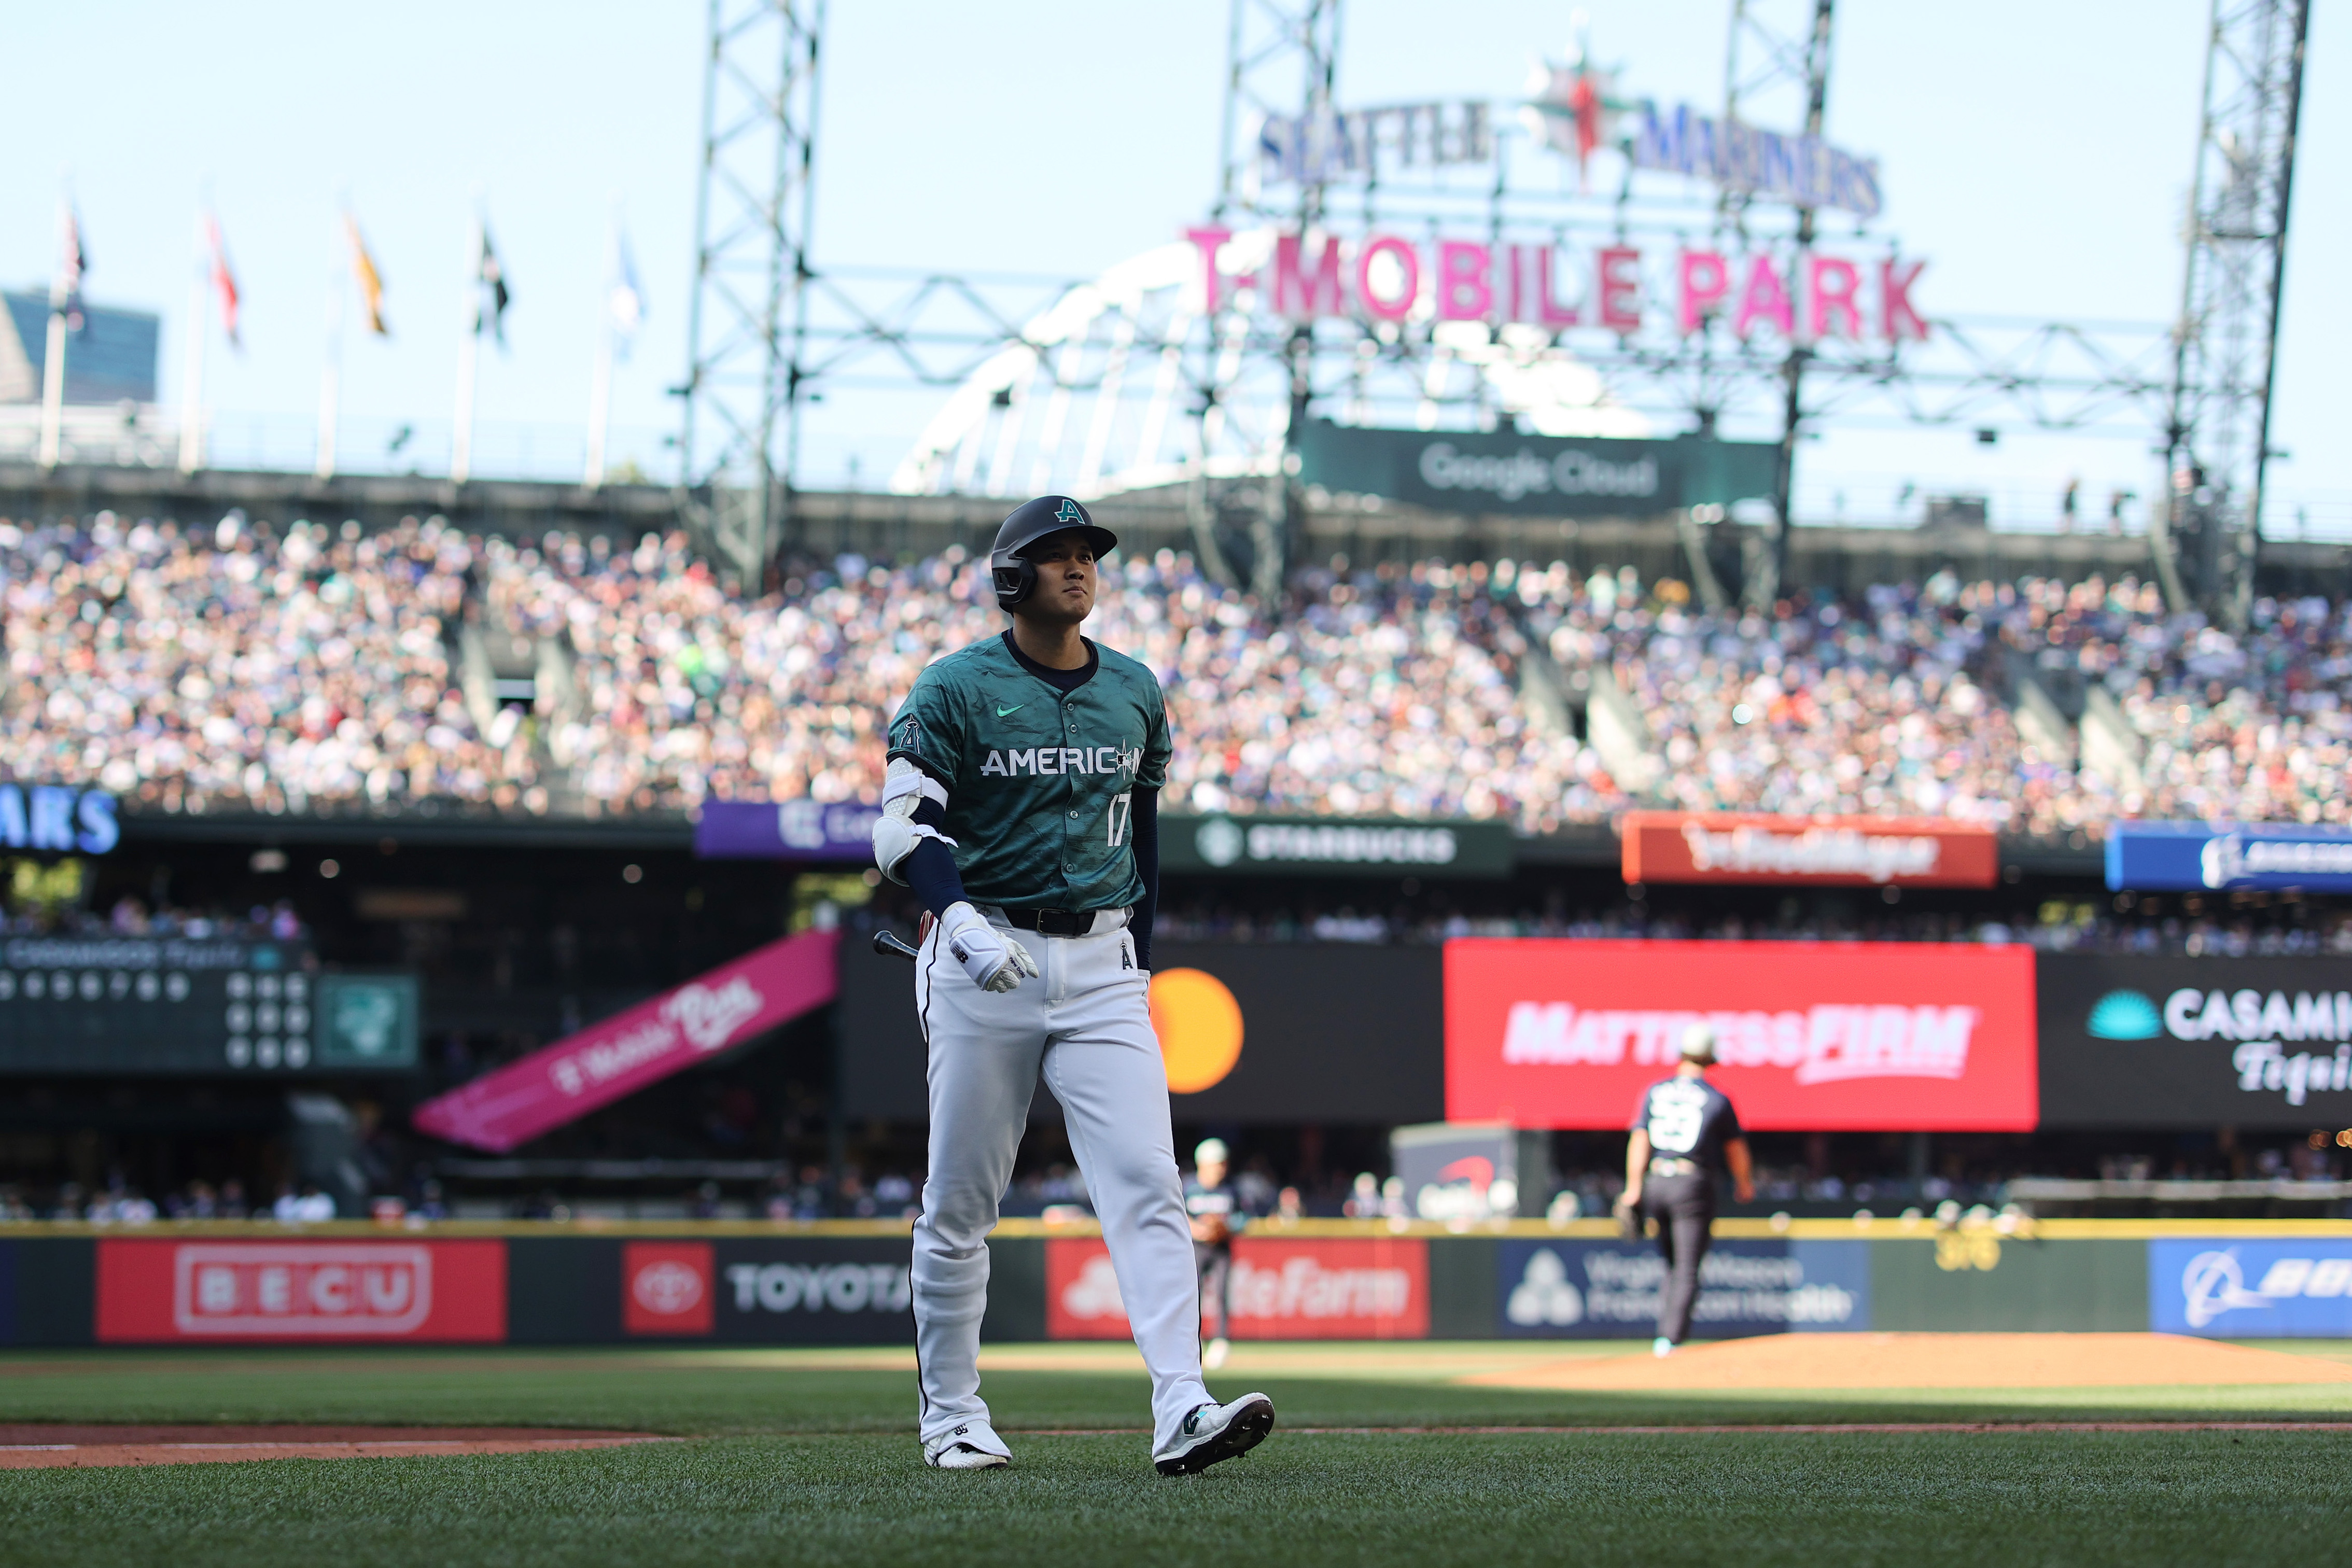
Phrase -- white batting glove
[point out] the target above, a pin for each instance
(993, 959)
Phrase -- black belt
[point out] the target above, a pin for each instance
(1064, 923)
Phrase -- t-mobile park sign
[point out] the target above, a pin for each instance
(1803, 297)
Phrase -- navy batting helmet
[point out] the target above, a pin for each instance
(1014, 576)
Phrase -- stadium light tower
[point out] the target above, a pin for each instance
(2225, 344)
(1282, 58)
(1778, 46)
(751, 219)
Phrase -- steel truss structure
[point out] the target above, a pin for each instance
(2217, 429)
(1135, 379)
(751, 219)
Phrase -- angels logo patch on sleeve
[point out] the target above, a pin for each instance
(910, 735)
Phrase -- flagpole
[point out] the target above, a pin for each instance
(600, 387)
(330, 376)
(461, 452)
(192, 380)
(53, 361)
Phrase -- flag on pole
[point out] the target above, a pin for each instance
(626, 302)
(224, 279)
(73, 260)
(490, 303)
(370, 280)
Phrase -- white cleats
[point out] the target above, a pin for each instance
(1662, 1348)
(1214, 1355)
(974, 1446)
(1215, 1432)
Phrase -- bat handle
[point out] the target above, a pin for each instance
(889, 942)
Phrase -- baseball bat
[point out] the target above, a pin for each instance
(889, 942)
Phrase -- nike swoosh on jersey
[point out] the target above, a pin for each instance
(1017, 708)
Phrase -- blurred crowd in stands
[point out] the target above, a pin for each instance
(241, 666)
(2212, 926)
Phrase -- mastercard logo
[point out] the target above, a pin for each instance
(1200, 1027)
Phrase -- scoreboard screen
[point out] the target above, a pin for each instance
(187, 1006)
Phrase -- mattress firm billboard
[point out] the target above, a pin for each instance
(1829, 1037)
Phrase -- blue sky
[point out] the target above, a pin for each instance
(2038, 155)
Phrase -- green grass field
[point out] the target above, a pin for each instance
(808, 1457)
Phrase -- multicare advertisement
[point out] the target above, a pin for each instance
(2251, 1290)
(1827, 1037)
(336, 1292)
(1307, 1289)
(2183, 1042)
(1608, 1289)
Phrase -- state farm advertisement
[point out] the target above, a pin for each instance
(1824, 851)
(1811, 1037)
(1282, 1289)
(337, 1291)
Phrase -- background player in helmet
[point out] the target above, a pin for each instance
(1218, 1215)
(1021, 805)
(1683, 1129)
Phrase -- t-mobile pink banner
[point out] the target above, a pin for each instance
(629, 1050)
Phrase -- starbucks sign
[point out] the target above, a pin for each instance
(1323, 845)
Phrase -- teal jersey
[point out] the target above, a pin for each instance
(1038, 784)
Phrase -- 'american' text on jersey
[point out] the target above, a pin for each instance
(1043, 759)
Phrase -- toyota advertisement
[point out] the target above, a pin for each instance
(833, 1290)
(335, 1292)
(1812, 1037)
(1304, 1289)
(2185, 1042)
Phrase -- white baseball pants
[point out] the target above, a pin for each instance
(1085, 1022)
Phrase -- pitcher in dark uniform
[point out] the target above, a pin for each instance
(1684, 1129)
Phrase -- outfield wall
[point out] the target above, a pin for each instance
(843, 1284)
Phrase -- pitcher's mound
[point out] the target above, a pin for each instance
(1929, 1361)
(36, 1447)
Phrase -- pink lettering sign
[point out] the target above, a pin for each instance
(1830, 286)
(601, 1064)
(1617, 279)
(1395, 307)
(1466, 291)
(1765, 299)
(1901, 322)
(1705, 280)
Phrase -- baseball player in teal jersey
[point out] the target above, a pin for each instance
(1021, 805)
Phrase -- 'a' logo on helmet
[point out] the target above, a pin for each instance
(1069, 513)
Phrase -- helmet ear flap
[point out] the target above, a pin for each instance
(1013, 583)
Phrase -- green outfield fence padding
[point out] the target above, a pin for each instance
(1462, 1286)
(1017, 1290)
(1978, 1282)
(563, 1291)
(56, 1290)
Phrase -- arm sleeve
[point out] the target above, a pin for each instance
(928, 732)
(1153, 773)
(1641, 1122)
(1731, 1128)
(931, 872)
(1144, 822)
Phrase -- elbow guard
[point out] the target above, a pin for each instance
(908, 797)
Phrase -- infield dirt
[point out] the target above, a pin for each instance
(1929, 1361)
